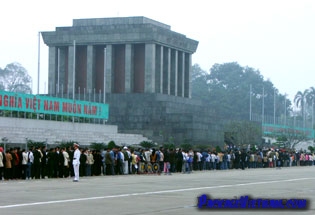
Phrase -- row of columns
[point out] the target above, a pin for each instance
(129, 68)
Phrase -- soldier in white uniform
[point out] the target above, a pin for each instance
(76, 161)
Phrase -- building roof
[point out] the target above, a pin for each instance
(120, 30)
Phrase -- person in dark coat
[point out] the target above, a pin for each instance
(82, 163)
(51, 163)
(61, 161)
(237, 159)
(37, 162)
(44, 162)
(70, 152)
(243, 159)
(97, 166)
(108, 162)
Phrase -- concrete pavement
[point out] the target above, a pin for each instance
(174, 194)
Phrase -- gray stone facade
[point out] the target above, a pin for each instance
(161, 118)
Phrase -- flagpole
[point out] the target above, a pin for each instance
(250, 102)
(73, 73)
(38, 63)
(274, 106)
(285, 110)
(105, 79)
(312, 114)
(73, 76)
(58, 71)
(104, 76)
(263, 107)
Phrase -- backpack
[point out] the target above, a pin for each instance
(204, 156)
(126, 156)
(190, 159)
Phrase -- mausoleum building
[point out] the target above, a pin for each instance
(135, 54)
(145, 68)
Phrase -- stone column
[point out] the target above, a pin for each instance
(70, 69)
(62, 70)
(129, 81)
(174, 75)
(166, 70)
(159, 69)
(181, 74)
(109, 68)
(139, 68)
(149, 68)
(187, 92)
(90, 72)
(52, 70)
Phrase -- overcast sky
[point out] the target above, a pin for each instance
(276, 37)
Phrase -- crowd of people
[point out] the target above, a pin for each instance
(40, 163)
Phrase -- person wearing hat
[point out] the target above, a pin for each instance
(126, 160)
(76, 161)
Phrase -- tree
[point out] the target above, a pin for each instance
(294, 137)
(218, 149)
(111, 144)
(31, 143)
(289, 137)
(67, 144)
(300, 100)
(14, 78)
(200, 88)
(202, 147)
(244, 133)
(230, 93)
(147, 144)
(169, 145)
(310, 99)
(282, 141)
(98, 146)
(311, 148)
(186, 146)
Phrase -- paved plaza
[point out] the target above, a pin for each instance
(157, 194)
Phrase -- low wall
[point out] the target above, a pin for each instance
(18, 130)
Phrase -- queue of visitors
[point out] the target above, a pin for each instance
(40, 163)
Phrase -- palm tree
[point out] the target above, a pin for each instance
(311, 101)
(300, 101)
(310, 95)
